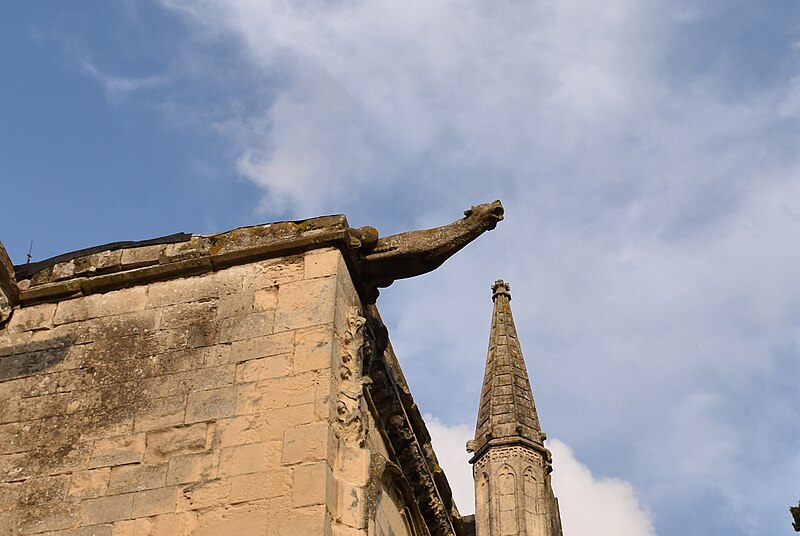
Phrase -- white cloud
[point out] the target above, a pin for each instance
(593, 506)
(589, 506)
(650, 171)
(450, 446)
(120, 86)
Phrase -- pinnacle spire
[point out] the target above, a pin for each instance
(507, 413)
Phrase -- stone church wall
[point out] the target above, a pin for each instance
(221, 404)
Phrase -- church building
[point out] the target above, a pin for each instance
(243, 384)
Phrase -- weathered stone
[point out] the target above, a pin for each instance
(243, 459)
(254, 486)
(321, 493)
(263, 368)
(90, 484)
(192, 468)
(247, 326)
(211, 405)
(118, 451)
(154, 502)
(143, 256)
(306, 443)
(107, 509)
(305, 303)
(162, 444)
(136, 477)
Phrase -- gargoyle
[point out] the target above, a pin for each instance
(417, 252)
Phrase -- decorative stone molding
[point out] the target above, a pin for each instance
(406, 435)
(9, 292)
(5, 308)
(350, 419)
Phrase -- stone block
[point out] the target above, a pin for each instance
(254, 486)
(265, 299)
(322, 263)
(141, 256)
(9, 412)
(248, 398)
(275, 272)
(38, 492)
(40, 407)
(192, 468)
(282, 419)
(238, 431)
(136, 477)
(97, 305)
(242, 519)
(249, 458)
(247, 326)
(34, 318)
(256, 347)
(185, 314)
(160, 413)
(205, 495)
(306, 520)
(189, 289)
(154, 502)
(51, 516)
(18, 436)
(263, 368)
(118, 451)
(305, 303)
(15, 467)
(314, 349)
(9, 521)
(90, 483)
(235, 305)
(163, 444)
(295, 390)
(9, 495)
(190, 381)
(171, 524)
(63, 270)
(122, 528)
(211, 405)
(108, 260)
(307, 443)
(313, 484)
(216, 355)
(106, 509)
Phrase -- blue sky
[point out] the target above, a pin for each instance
(647, 153)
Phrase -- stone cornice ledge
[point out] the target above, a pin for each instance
(102, 270)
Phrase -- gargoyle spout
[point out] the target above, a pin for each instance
(417, 252)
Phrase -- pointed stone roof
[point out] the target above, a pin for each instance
(507, 413)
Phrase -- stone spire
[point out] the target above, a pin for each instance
(510, 465)
(507, 413)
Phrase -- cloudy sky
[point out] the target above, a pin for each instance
(647, 154)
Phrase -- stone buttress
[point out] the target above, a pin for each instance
(511, 466)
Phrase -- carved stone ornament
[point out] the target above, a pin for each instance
(350, 426)
(9, 292)
(5, 308)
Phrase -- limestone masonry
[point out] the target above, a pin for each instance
(236, 384)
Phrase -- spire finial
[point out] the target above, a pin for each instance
(501, 287)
